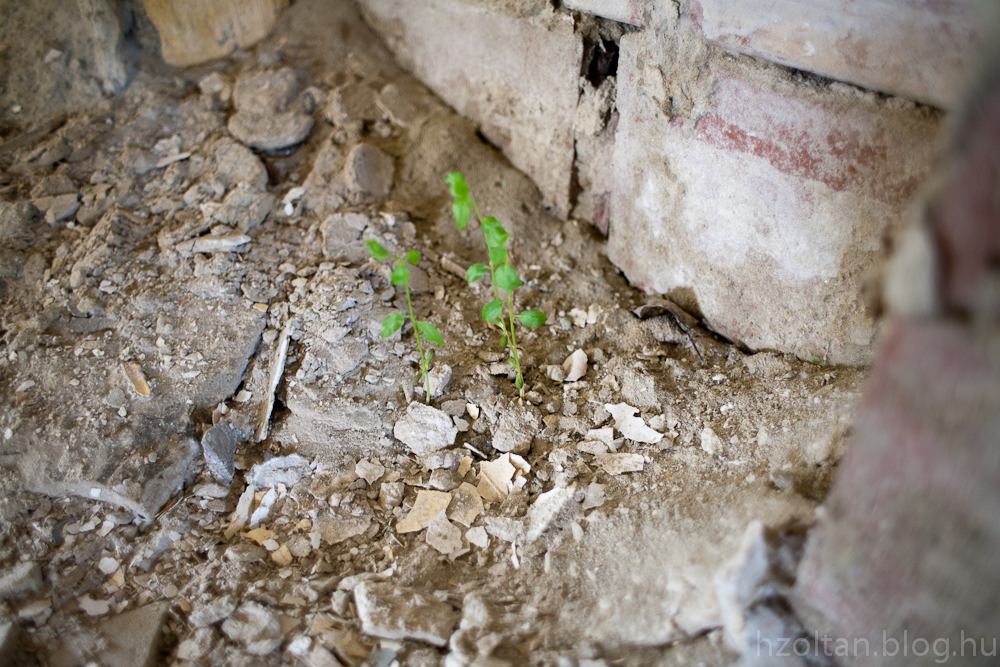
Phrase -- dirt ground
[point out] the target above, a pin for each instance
(190, 286)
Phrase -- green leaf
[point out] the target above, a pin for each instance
(503, 341)
(430, 332)
(413, 257)
(519, 383)
(391, 324)
(418, 378)
(506, 278)
(400, 275)
(456, 181)
(494, 232)
(498, 255)
(429, 356)
(377, 250)
(492, 310)
(462, 210)
(475, 272)
(532, 318)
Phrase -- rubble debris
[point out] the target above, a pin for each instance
(369, 471)
(618, 464)
(394, 612)
(630, 426)
(219, 448)
(254, 627)
(466, 505)
(287, 470)
(710, 442)
(495, 476)
(443, 535)
(766, 364)
(94, 607)
(478, 537)
(427, 505)
(754, 586)
(368, 174)
(137, 378)
(517, 429)
(276, 368)
(575, 366)
(337, 525)
(425, 429)
(268, 114)
(9, 634)
(595, 496)
(197, 645)
(133, 638)
(20, 580)
(548, 508)
(212, 611)
(505, 528)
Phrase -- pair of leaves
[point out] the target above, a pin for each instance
(461, 208)
(393, 321)
(379, 252)
(493, 311)
(496, 235)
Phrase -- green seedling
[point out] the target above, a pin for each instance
(394, 321)
(500, 269)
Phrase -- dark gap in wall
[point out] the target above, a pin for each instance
(601, 60)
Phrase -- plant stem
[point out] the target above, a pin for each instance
(420, 347)
(513, 341)
(512, 344)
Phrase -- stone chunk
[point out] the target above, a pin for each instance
(425, 508)
(494, 478)
(268, 115)
(212, 612)
(517, 429)
(287, 470)
(368, 471)
(342, 237)
(337, 525)
(548, 508)
(219, 447)
(15, 224)
(630, 426)
(617, 464)
(133, 638)
(197, 645)
(355, 101)
(443, 535)
(20, 580)
(575, 366)
(466, 505)
(9, 633)
(254, 627)
(425, 429)
(393, 612)
(368, 174)
(235, 164)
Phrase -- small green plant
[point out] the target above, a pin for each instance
(502, 272)
(393, 321)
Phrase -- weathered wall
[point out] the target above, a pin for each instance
(516, 77)
(767, 197)
(761, 198)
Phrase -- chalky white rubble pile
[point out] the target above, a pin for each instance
(211, 456)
